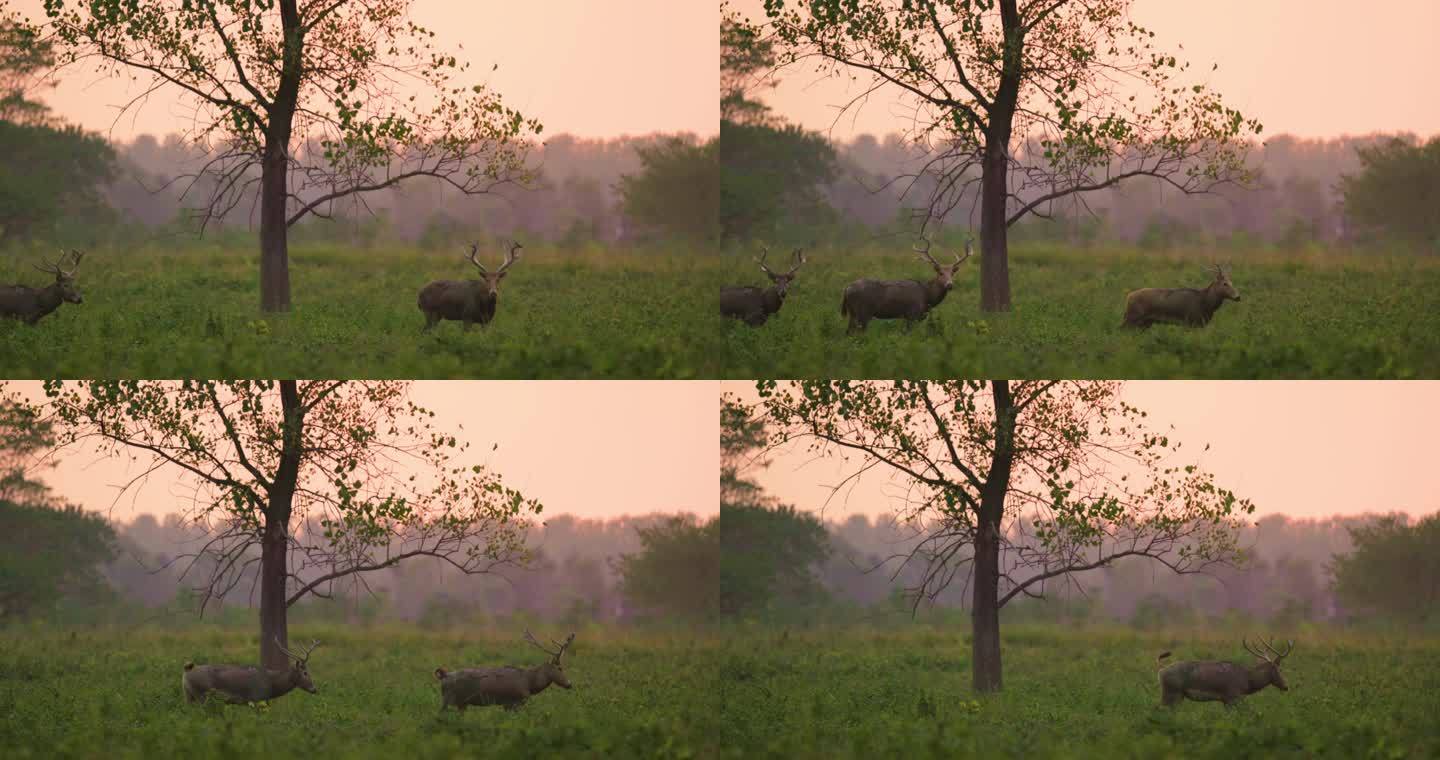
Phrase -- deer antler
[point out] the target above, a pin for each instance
(799, 257)
(475, 249)
(764, 251)
(555, 654)
(306, 658)
(1248, 648)
(57, 268)
(1290, 645)
(969, 245)
(925, 253)
(511, 257)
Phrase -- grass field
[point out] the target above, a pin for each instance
(110, 694)
(1070, 694)
(1313, 315)
(589, 313)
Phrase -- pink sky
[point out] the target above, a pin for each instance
(592, 449)
(583, 67)
(1312, 68)
(1301, 448)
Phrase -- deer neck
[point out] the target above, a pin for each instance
(281, 683)
(48, 299)
(773, 299)
(935, 292)
(1258, 678)
(1213, 300)
(539, 681)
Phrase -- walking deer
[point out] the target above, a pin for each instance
(242, 684)
(910, 300)
(32, 304)
(508, 686)
(1207, 680)
(1181, 306)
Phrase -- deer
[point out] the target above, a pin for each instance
(910, 300)
(30, 305)
(1227, 682)
(508, 686)
(243, 684)
(754, 305)
(1190, 307)
(469, 301)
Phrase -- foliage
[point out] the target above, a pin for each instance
(1396, 193)
(675, 196)
(1394, 570)
(304, 107)
(675, 573)
(772, 177)
(1325, 315)
(746, 61)
(188, 312)
(356, 475)
(116, 692)
(24, 57)
(49, 553)
(768, 559)
(1077, 692)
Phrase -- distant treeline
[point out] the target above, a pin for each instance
(1296, 200)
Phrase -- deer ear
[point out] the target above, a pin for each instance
(440, 673)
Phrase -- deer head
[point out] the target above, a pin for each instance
(1221, 284)
(300, 665)
(489, 278)
(782, 281)
(553, 670)
(1270, 664)
(943, 274)
(65, 278)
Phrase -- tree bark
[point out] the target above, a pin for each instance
(274, 546)
(985, 604)
(274, 169)
(994, 179)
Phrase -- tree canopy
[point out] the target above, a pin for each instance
(1032, 101)
(1396, 194)
(675, 573)
(1011, 487)
(1394, 569)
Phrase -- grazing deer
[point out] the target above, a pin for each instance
(468, 301)
(1206, 680)
(242, 684)
(910, 300)
(508, 686)
(755, 305)
(32, 304)
(1180, 306)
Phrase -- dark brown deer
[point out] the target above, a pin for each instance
(507, 686)
(32, 304)
(1208, 681)
(1181, 306)
(242, 684)
(910, 300)
(469, 301)
(755, 305)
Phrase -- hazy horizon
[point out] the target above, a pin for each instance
(1313, 82)
(577, 446)
(586, 69)
(1383, 431)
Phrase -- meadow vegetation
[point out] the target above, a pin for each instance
(1073, 692)
(583, 312)
(1308, 314)
(116, 692)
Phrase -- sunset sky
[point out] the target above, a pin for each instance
(587, 68)
(1308, 449)
(592, 449)
(1312, 68)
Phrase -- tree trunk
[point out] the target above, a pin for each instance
(994, 179)
(274, 545)
(274, 232)
(274, 184)
(274, 630)
(985, 604)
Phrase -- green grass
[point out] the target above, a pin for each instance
(589, 313)
(1069, 694)
(113, 694)
(1317, 315)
